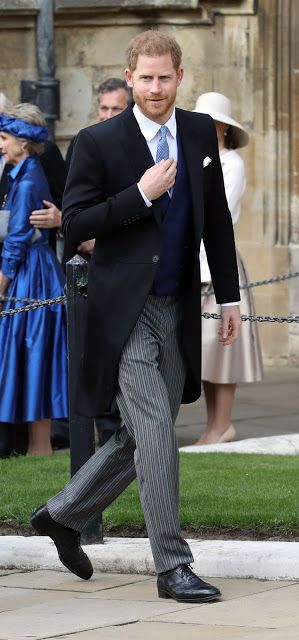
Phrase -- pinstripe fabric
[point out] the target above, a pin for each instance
(151, 380)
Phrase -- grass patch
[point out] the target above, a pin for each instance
(218, 491)
(26, 483)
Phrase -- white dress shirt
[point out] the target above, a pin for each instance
(151, 132)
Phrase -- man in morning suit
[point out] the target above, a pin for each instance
(148, 186)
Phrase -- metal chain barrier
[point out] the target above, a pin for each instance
(37, 304)
(279, 319)
(215, 316)
(260, 283)
(32, 307)
(11, 299)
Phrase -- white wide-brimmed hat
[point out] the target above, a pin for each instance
(219, 108)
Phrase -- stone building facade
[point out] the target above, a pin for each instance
(246, 49)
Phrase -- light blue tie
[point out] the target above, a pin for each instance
(162, 146)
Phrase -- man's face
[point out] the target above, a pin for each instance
(112, 103)
(154, 83)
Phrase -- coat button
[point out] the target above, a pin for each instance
(155, 259)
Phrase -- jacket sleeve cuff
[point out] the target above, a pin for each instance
(9, 268)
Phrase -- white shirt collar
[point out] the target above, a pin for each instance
(149, 128)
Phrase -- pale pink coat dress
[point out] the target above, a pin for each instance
(242, 361)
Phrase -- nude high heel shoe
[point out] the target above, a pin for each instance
(228, 435)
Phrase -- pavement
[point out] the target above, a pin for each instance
(50, 604)
(39, 600)
(263, 409)
(286, 445)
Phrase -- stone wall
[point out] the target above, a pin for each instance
(245, 49)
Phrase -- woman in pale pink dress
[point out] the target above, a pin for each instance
(224, 367)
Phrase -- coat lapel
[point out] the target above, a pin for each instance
(193, 152)
(135, 144)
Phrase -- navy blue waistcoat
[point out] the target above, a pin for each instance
(176, 234)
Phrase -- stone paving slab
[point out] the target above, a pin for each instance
(239, 588)
(12, 599)
(69, 615)
(270, 609)
(162, 631)
(287, 633)
(66, 581)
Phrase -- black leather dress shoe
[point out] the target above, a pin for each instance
(183, 585)
(66, 540)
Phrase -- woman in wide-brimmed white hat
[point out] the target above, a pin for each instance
(223, 368)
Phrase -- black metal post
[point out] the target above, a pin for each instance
(82, 442)
(44, 92)
(47, 86)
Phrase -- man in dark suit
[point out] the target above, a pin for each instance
(113, 97)
(143, 326)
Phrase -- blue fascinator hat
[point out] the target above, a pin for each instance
(22, 129)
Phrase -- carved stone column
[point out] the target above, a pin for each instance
(277, 90)
(294, 178)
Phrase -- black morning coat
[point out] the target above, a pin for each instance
(102, 201)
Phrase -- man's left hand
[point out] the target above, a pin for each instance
(87, 246)
(48, 218)
(230, 324)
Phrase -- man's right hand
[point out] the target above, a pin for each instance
(159, 178)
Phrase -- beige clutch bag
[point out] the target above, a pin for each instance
(4, 218)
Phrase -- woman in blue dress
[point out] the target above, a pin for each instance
(33, 352)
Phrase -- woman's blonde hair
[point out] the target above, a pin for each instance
(32, 114)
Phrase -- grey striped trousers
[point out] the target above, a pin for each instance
(151, 379)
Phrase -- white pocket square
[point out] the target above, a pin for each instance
(206, 162)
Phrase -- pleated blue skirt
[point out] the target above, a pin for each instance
(33, 345)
